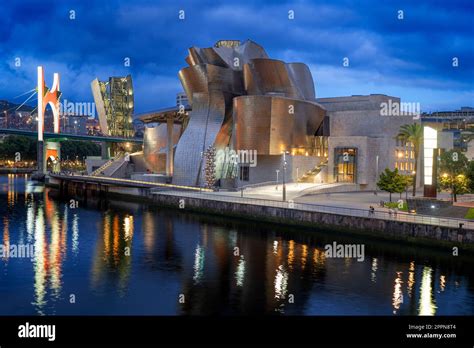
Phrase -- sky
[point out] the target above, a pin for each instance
(407, 54)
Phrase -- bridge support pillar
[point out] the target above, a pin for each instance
(46, 150)
(52, 151)
(40, 162)
(105, 150)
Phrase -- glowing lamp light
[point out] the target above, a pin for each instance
(430, 140)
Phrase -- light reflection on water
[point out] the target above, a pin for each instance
(134, 259)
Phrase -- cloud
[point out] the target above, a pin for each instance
(386, 54)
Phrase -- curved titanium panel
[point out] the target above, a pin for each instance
(194, 57)
(266, 124)
(224, 80)
(251, 50)
(302, 80)
(155, 140)
(268, 76)
(194, 80)
(206, 77)
(210, 56)
(205, 122)
(245, 52)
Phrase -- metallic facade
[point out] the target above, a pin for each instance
(264, 123)
(243, 100)
(155, 143)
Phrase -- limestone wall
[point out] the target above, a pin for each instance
(389, 229)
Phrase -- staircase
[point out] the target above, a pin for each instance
(310, 175)
(111, 166)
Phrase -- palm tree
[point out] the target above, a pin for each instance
(412, 133)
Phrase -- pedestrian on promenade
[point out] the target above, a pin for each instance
(371, 210)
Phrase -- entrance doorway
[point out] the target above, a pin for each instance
(345, 164)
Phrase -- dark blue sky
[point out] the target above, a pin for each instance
(410, 58)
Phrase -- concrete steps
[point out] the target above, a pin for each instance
(310, 175)
(111, 166)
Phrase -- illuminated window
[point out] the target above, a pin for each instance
(345, 164)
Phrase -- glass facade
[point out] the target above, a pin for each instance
(345, 164)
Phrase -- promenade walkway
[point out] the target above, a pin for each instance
(339, 210)
(327, 205)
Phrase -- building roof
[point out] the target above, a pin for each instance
(162, 115)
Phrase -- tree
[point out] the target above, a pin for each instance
(407, 181)
(457, 185)
(23, 145)
(392, 181)
(72, 149)
(453, 168)
(470, 176)
(412, 133)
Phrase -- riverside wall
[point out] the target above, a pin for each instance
(410, 232)
(386, 229)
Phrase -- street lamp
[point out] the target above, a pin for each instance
(414, 182)
(284, 174)
(277, 171)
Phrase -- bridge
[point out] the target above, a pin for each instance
(51, 149)
(64, 136)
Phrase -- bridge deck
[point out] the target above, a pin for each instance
(63, 136)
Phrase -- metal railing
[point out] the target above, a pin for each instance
(107, 164)
(260, 184)
(464, 198)
(376, 214)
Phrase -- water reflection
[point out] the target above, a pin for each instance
(373, 274)
(427, 303)
(397, 299)
(135, 259)
(113, 253)
(6, 236)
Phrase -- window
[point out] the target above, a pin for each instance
(244, 173)
(345, 164)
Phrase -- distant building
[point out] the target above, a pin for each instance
(115, 104)
(74, 124)
(16, 116)
(139, 128)
(457, 125)
(20, 120)
(93, 126)
(3, 119)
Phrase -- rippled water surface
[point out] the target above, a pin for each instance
(127, 258)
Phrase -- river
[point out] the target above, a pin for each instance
(125, 258)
